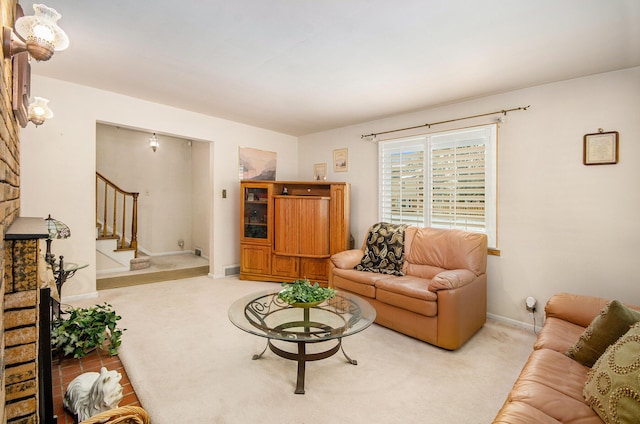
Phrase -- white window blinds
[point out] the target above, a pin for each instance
(402, 181)
(443, 180)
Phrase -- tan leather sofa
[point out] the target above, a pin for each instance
(549, 388)
(442, 296)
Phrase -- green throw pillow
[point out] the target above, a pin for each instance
(612, 322)
(613, 384)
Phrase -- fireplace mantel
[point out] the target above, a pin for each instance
(27, 229)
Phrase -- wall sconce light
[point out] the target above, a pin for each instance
(39, 35)
(39, 111)
(153, 142)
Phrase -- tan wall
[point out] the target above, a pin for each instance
(9, 180)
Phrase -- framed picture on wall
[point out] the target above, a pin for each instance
(320, 171)
(601, 148)
(257, 164)
(340, 160)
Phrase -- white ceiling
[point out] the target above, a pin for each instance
(302, 66)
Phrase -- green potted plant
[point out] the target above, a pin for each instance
(301, 293)
(86, 329)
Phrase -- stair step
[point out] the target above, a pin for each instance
(140, 263)
(109, 247)
(106, 282)
(123, 249)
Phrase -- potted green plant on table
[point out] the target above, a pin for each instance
(303, 294)
(85, 329)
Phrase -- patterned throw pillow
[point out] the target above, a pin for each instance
(613, 384)
(384, 249)
(612, 322)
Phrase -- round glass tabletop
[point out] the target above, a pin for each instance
(265, 315)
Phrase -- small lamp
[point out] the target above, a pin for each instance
(153, 142)
(39, 34)
(57, 230)
(39, 110)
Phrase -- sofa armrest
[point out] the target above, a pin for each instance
(451, 279)
(347, 259)
(575, 308)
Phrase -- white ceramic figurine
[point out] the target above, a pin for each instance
(91, 393)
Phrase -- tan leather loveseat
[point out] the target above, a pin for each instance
(442, 296)
(550, 386)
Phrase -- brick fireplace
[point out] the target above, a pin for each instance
(27, 346)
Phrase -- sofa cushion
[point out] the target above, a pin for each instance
(613, 384)
(360, 277)
(433, 250)
(552, 383)
(575, 308)
(422, 270)
(612, 322)
(557, 334)
(407, 285)
(408, 292)
(428, 308)
(358, 282)
(384, 249)
(522, 413)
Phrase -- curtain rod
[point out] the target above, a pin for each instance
(504, 112)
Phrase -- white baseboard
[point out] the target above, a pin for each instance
(170, 253)
(515, 323)
(73, 298)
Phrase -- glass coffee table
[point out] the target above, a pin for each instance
(264, 315)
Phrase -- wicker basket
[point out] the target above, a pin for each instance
(122, 414)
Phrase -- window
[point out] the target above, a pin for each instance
(441, 180)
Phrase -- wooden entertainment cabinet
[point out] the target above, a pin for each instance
(290, 229)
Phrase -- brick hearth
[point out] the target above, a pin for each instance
(66, 369)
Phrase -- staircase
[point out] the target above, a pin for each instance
(118, 260)
(112, 227)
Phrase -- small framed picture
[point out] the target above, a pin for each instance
(340, 160)
(320, 171)
(601, 148)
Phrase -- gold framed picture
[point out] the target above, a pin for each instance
(341, 160)
(320, 171)
(601, 148)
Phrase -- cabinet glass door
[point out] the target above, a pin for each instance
(256, 216)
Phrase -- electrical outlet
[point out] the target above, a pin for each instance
(530, 304)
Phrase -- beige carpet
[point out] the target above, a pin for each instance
(189, 364)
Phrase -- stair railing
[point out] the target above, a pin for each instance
(117, 215)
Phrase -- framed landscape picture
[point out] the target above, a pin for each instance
(257, 164)
(340, 160)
